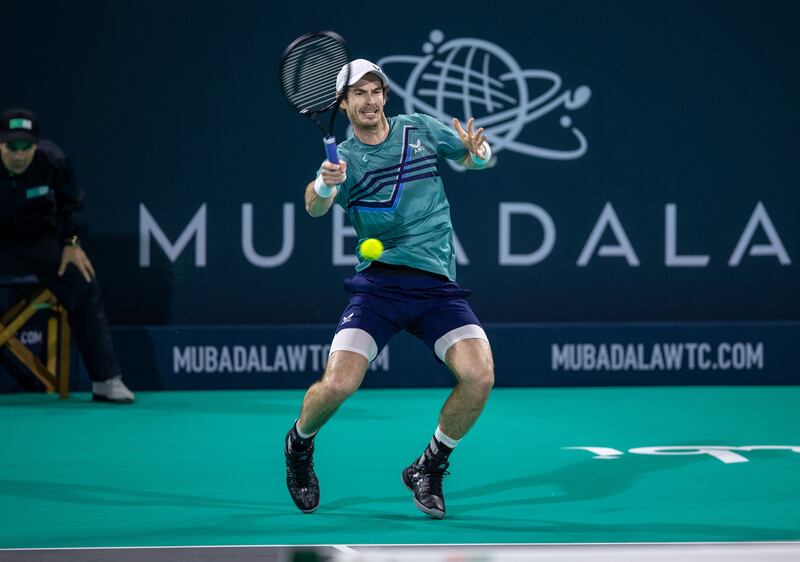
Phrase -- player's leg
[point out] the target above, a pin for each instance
(452, 331)
(341, 379)
(343, 376)
(361, 334)
(471, 362)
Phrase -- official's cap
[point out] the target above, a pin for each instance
(358, 69)
(19, 124)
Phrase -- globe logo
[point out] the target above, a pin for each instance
(471, 77)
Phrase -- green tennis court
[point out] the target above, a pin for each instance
(206, 468)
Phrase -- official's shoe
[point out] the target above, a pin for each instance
(300, 477)
(112, 390)
(426, 484)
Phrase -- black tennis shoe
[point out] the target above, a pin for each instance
(426, 484)
(300, 477)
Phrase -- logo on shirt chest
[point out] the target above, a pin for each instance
(418, 147)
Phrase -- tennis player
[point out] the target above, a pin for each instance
(388, 181)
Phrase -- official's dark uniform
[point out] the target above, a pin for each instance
(40, 210)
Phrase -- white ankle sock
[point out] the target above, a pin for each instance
(300, 433)
(444, 439)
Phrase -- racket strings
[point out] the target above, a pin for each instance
(309, 71)
(312, 86)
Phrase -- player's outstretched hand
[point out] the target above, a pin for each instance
(472, 140)
(334, 174)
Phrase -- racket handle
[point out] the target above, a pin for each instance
(330, 149)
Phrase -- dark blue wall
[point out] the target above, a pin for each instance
(172, 106)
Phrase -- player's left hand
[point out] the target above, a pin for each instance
(472, 140)
(76, 256)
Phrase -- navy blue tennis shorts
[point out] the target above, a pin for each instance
(384, 302)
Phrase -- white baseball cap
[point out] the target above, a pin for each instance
(359, 68)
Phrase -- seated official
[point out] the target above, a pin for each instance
(40, 226)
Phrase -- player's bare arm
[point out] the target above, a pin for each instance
(319, 198)
(476, 144)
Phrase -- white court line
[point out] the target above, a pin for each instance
(642, 552)
(418, 545)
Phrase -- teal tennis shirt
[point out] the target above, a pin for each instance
(394, 193)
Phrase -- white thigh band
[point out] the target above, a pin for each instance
(355, 340)
(454, 336)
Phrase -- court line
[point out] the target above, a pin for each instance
(350, 546)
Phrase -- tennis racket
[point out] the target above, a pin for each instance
(309, 68)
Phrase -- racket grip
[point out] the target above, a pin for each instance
(330, 149)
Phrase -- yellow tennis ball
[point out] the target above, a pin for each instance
(371, 249)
